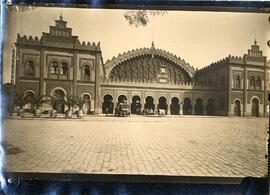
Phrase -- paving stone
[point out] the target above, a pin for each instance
(195, 146)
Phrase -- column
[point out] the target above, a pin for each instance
(181, 108)
(156, 106)
(169, 102)
(114, 104)
(169, 108)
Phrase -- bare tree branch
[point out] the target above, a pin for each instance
(141, 17)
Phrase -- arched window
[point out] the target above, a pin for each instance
(237, 82)
(30, 70)
(252, 81)
(258, 82)
(54, 68)
(64, 68)
(86, 73)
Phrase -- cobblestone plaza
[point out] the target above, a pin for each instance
(170, 145)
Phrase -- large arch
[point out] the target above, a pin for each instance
(59, 95)
(162, 104)
(210, 108)
(149, 104)
(187, 107)
(237, 107)
(86, 103)
(136, 105)
(175, 106)
(56, 88)
(107, 105)
(199, 106)
(144, 65)
(255, 106)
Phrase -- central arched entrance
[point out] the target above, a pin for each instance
(187, 106)
(149, 104)
(210, 106)
(107, 106)
(255, 107)
(237, 108)
(175, 106)
(162, 104)
(59, 104)
(136, 105)
(199, 106)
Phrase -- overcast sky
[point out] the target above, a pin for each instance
(199, 38)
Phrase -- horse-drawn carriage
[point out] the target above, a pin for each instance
(122, 109)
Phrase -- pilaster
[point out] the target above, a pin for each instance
(18, 63)
(264, 87)
(97, 84)
(245, 91)
(169, 110)
(230, 80)
(41, 78)
(181, 109)
(193, 109)
(75, 69)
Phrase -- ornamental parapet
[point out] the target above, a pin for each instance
(29, 40)
(87, 46)
(236, 60)
(223, 62)
(213, 66)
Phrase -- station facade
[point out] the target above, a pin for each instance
(59, 65)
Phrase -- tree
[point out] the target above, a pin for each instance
(19, 100)
(81, 102)
(71, 101)
(141, 17)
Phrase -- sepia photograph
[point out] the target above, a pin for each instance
(135, 92)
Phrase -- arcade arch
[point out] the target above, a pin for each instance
(187, 107)
(175, 106)
(136, 105)
(149, 103)
(107, 105)
(199, 106)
